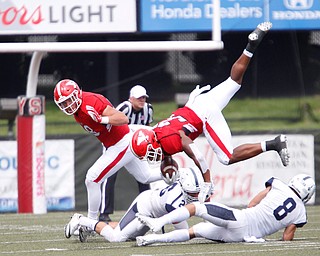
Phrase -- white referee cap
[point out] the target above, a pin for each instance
(138, 91)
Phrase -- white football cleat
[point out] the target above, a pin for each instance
(152, 223)
(146, 240)
(72, 226)
(282, 149)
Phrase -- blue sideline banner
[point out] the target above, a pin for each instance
(236, 15)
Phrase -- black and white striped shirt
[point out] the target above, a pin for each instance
(143, 117)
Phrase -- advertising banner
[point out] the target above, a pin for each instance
(72, 16)
(59, 175)
(237, 184)
(196, 15)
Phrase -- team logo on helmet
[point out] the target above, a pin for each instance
(68, 96)
(145, 146)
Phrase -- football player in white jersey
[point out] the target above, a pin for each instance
(153, 203)
(278, 206)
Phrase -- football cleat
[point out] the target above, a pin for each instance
(146, 240)
(282, 149)
(83, 235)
(255, 37)
(152, 223)
(72, 226)
(104, 217)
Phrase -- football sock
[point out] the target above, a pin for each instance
(109, 234)
(271, 145)
(179, 235)
(178, 215)
(247, 53)
(94, 199)
(87, 222)
(263, 146)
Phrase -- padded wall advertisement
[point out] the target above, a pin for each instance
(59, 175)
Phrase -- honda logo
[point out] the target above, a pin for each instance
(298, 4)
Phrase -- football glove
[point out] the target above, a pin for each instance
(206, 191)
(196, 92)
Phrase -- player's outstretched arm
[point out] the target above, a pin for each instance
(114, 116)
(194, 153)
(288, 233)
(257, 199)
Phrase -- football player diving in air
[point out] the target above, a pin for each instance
(202, 114)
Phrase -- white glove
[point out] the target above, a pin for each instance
(206, 191)
(253, 239)
(196, 92)
(169, 180)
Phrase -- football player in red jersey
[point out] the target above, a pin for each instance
(202, 114)
(98, 117)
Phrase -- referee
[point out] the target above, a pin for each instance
(139, 111)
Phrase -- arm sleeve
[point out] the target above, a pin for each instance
(150, 113)
(269, 182)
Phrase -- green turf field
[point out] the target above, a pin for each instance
(27, 234)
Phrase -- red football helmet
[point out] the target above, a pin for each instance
(68, 96)
(145, 146)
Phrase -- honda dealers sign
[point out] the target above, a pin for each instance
(196, 15)
(71, 16)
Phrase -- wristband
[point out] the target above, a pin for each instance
(104, 120)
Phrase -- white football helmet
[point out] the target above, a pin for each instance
(304, 185)
(191, 181)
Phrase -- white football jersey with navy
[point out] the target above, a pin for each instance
(152, 203)
(162, 201)
(280, 208)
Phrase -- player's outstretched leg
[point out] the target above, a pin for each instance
(240, 66)
(255, 37)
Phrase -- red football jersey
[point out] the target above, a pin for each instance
(167, 130)
(108, 134)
